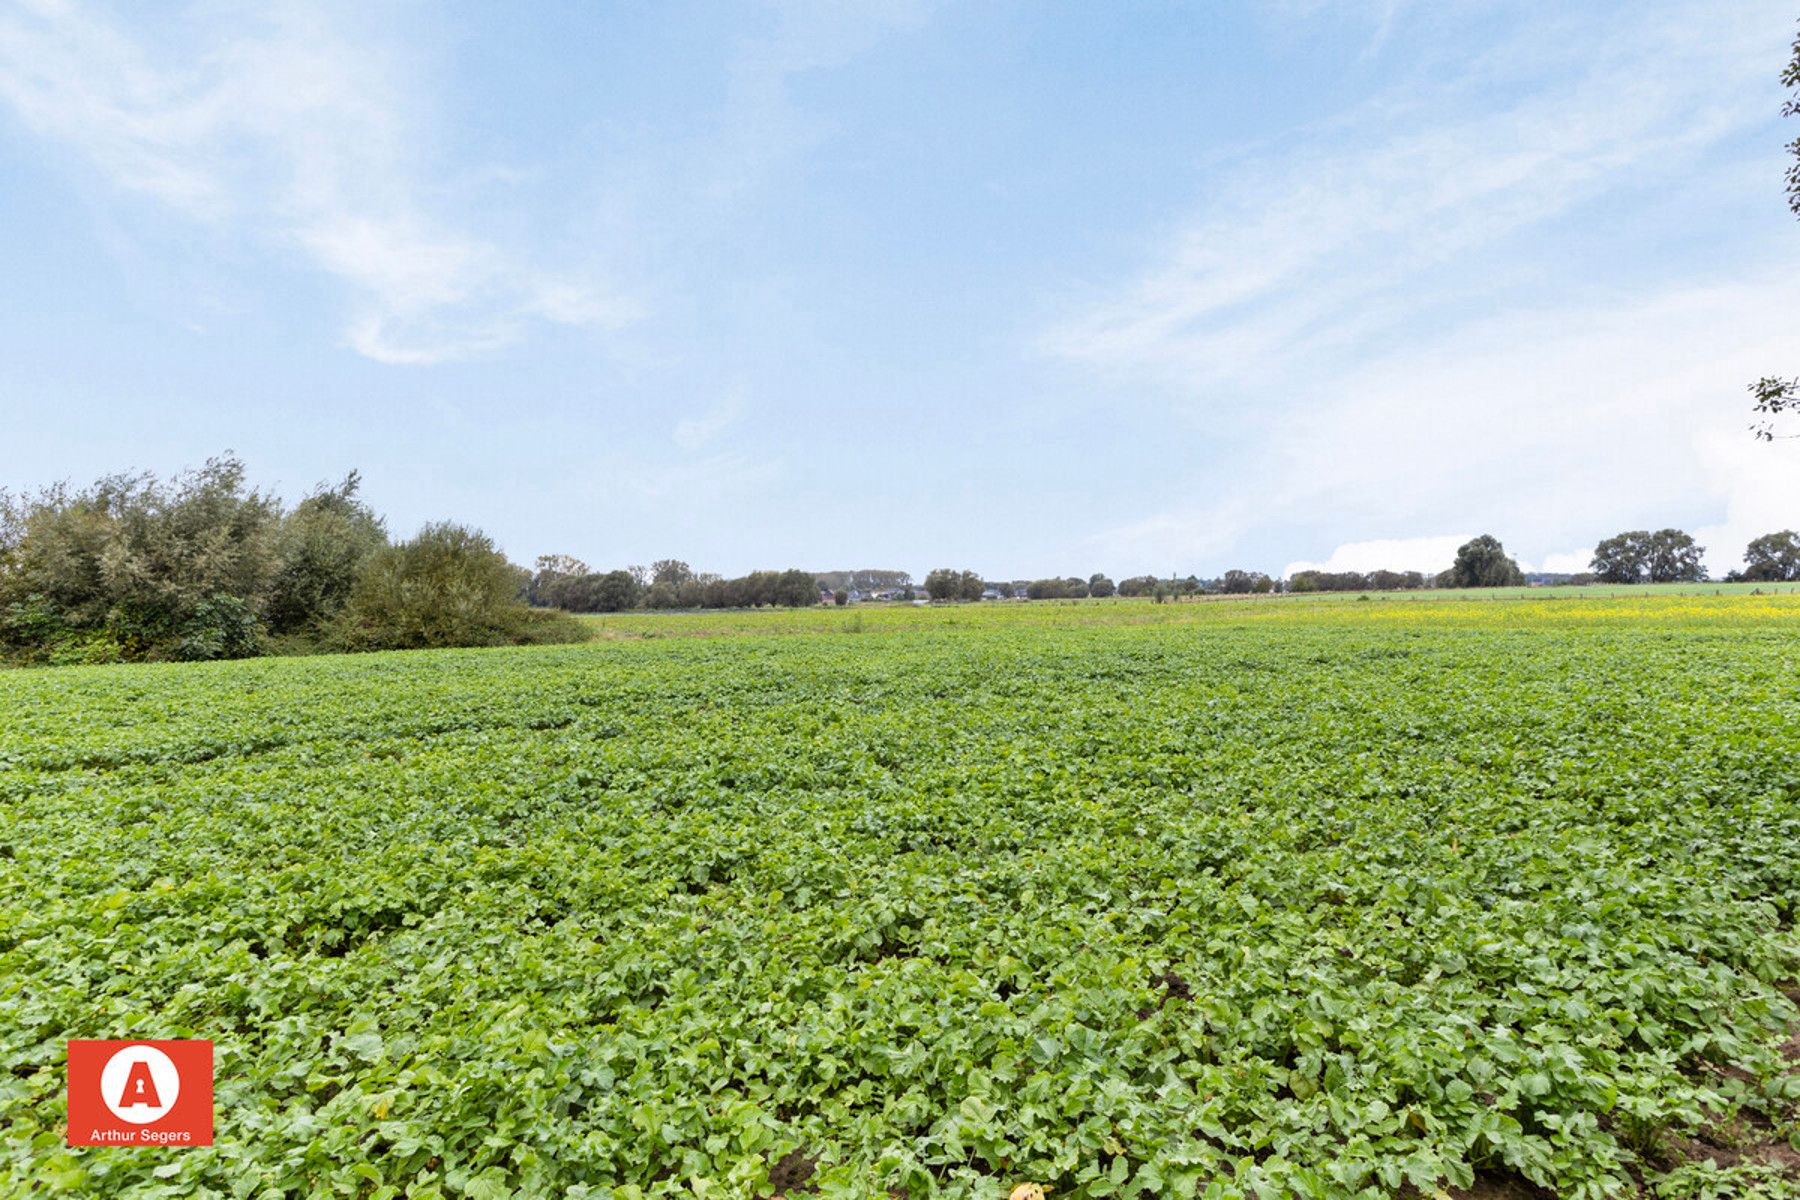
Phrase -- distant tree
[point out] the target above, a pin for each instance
(560, 564)
(1099, 585)
(1639, 556)
(1354, 581)
(614, 591)
(794, 588)
(705, 589)
(671, 571)
(945, 583)
(1483, 562)
(1623, 558)
(1675, 558)
(840, 597)
(1239, 583)
(559, 582)
(1773, 557)
(1137, 585)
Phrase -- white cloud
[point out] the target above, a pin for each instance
(1569, 562)
(1428, 555)
(1549, 428)
(305, 137)
(1759, 484)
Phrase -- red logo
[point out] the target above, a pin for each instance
(140, 1093)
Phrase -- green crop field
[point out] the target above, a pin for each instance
(1254, 899)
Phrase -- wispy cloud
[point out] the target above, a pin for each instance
(1379, 15)
(1335, 238)
(694, 483)
(691, 433)
(1389, 297)
(764, 126)
(288, 128)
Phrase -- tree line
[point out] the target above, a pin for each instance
(1635, 556)
(564, 582)
(205, 566)
(1667, 555)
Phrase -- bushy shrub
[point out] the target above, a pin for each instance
(85, 648)
(221, 626)
(32, 631)
(205, 567)
(141, 560)
(448, 586)
(547, 627)
(321, 546)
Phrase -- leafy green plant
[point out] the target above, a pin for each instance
(221, 626)
(1308, 901)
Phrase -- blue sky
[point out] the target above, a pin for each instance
(1026, 288)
